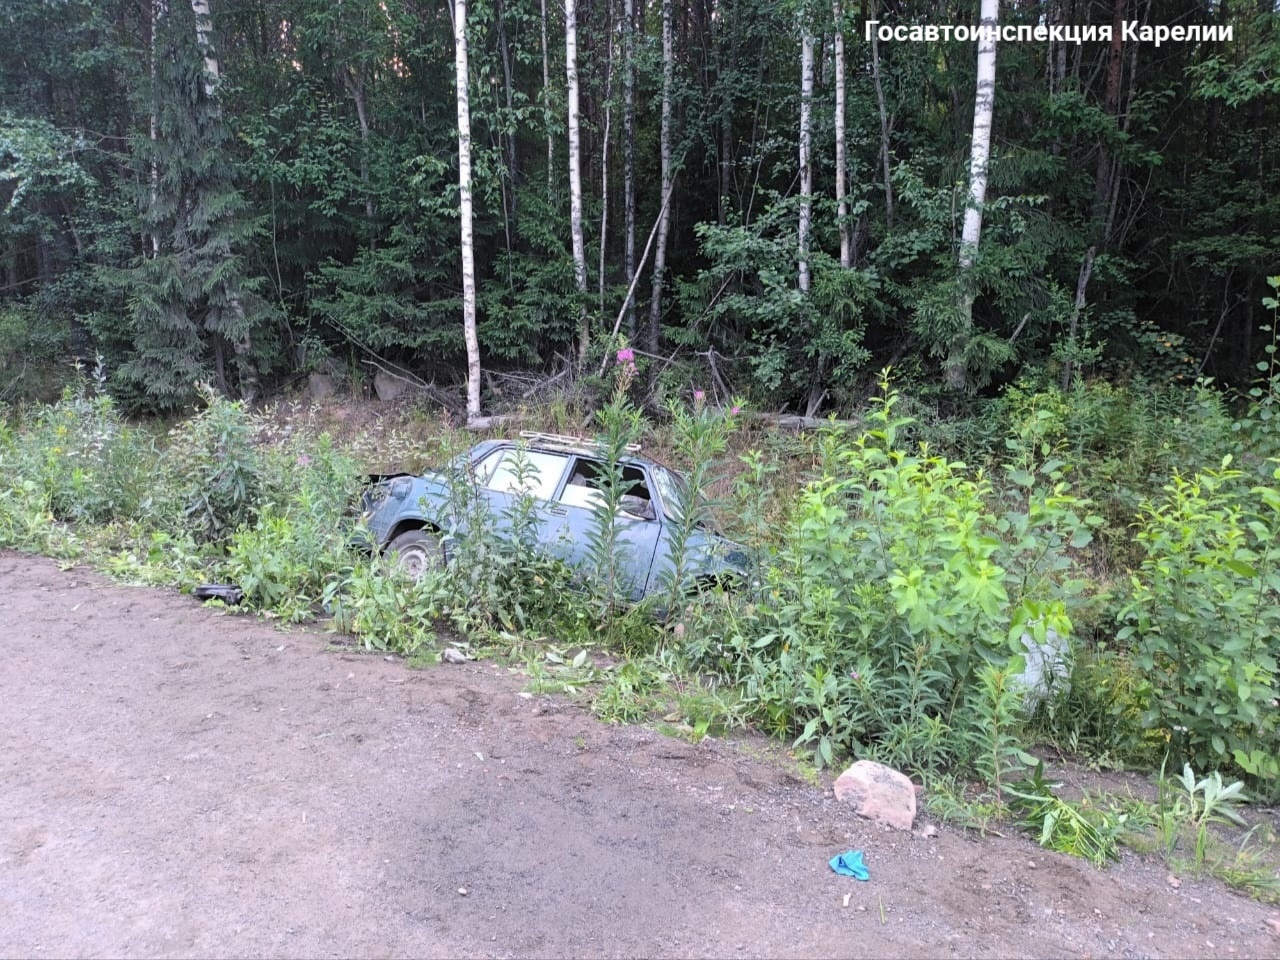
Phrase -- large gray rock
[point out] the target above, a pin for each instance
(321, 385)
(878, 793)
(388, 387)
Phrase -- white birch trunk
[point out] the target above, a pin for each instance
(842, 200)
(204, 26)
(664, 216)
(979, 159)
(158, 9)
(806, 166)
(464, 198)
(980, 152)
(575, 171)
(546, 105)
(629, 153)
(604, 175)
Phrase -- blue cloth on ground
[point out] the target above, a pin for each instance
(849, 864)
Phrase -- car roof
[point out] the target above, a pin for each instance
(561, 443)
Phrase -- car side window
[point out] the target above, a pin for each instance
(583, 488)
(530, 472)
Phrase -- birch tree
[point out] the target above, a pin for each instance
(464, 203)
(575, 173)
(546, 106)
(629, 152)
(664, 215)
(979, 159)
(204, 27)
(842, 200)
(806, 134)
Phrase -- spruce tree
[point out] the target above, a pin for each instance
(193, 310)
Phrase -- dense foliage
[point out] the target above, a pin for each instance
(300, 213)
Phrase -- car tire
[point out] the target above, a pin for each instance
(416, 553)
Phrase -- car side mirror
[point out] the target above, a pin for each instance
(637, 507)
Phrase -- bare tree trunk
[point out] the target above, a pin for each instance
(356, 87)
(806, 166)
(508, 88)
(842, 200)
(1105, 184)
(979, 159)
(885, 131)
(664, 217)
(629, 152)
(1082, 287)
(575, 173)
(604, 165)
(464, 198)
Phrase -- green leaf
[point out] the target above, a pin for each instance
(1242, 568)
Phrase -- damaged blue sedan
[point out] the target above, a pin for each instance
(418, 520)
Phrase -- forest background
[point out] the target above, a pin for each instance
(258, 189)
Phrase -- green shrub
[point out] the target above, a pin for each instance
(1203, 615)
(300, 540)
(385, 609)
(901, 578)
(89, 466)
(215, 468)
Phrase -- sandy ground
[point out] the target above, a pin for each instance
(179, 782)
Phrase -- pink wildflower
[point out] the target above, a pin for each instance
(304, 460)
(626, 355)
(699, 396)
(734, 411)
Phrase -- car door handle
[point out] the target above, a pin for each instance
(558, 512)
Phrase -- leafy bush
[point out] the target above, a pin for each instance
(901, 579)
(300, 541)
(216, 468)
(1203, 615)
(385, 609)
(88, 464)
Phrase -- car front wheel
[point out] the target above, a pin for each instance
(415, 553)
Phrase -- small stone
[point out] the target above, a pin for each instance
(1173, 881)
(462, 891)
(453, 655)
(1274, 924)
(1031, 864)
(927, 832)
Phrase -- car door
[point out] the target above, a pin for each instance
(572, 519)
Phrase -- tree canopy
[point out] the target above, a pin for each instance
(239, 191)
